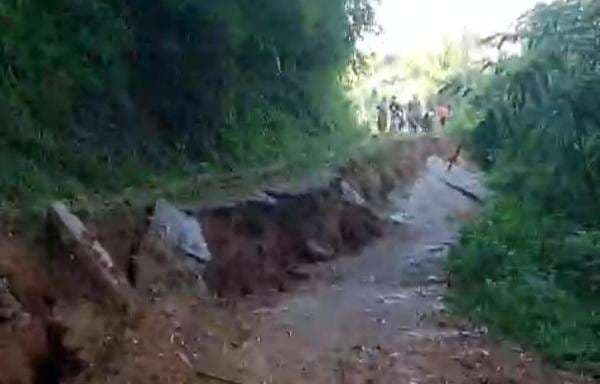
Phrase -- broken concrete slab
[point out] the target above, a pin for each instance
(351, 195)
(179, 231)
(71, 229)
(68, 232)
(173, 254)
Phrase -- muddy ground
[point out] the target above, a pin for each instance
(305, 287)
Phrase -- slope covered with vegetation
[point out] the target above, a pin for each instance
(531, 266)
(99, 95)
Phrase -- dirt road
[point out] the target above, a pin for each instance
(381, 317)
(376, 316)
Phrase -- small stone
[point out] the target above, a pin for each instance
(319, 251)
(400, 218)
(436, 248)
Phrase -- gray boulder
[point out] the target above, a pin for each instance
(180, 231)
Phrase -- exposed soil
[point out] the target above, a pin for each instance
(259, 247)
(309, 288)
(259, 244)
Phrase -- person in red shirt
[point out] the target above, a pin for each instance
(443, 114)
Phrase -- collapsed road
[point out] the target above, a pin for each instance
(339, 280)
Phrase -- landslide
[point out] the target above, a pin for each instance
(58, 325)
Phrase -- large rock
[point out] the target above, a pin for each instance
(70, 234)
(179, 231)
(172, 255)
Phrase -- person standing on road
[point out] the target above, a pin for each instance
(414, 114)
(382, 116)
(443, 114)
(396, 115)
(427, 123)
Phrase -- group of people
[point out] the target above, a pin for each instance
(393, 117)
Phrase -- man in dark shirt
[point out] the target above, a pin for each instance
(396, 115)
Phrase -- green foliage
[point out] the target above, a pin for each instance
(532, 278)
(531, 267)
(95, 92)
(538, 110)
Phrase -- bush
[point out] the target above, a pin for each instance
(98, 95)
(530, 268)
(530, 277)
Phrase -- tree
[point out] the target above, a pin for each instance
(159, 82)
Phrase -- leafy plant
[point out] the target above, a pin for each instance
(94, 92)
(530, 267)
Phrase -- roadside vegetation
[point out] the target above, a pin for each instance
(530, 267)
(127, 98)
(99, 96)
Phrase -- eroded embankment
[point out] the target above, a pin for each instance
(60, 321)
(258, 244)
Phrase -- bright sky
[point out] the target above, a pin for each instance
(410, 25)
